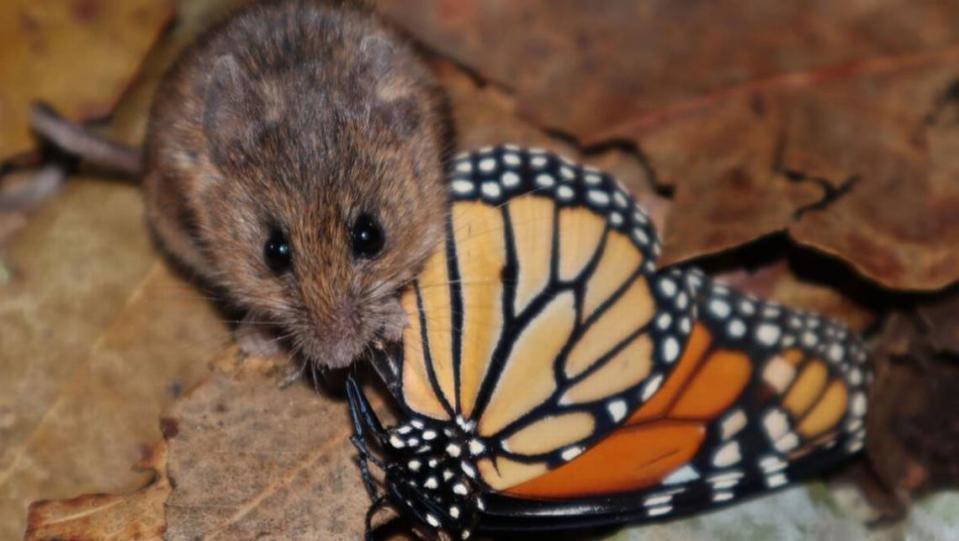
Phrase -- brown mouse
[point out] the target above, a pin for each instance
(295, 158)
(295, 161)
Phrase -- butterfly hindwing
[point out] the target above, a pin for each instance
(764, 396)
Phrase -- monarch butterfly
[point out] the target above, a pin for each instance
(550, 377)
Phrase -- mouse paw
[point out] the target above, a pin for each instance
(290, 374)
(394, 322)
(256, 340)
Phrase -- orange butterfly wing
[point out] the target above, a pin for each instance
(731, 409)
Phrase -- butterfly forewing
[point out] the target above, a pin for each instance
(543, 332)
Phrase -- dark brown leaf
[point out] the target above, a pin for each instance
(913, 433)
(246, 456)
(758, 117)
(79, 55)
(107, 517)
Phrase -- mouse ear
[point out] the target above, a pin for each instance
(396, 101)
(378, 55)
(231, 108)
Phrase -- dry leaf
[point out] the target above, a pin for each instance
(758, 117)
(780, 282)
(77, 54)
(98, 338)
(486, 115)
(105, 517)
(913, 437)
(246, 456)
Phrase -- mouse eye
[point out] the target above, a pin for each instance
(277, 252)
(368, 237)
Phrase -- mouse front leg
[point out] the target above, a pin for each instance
(393, 321)
(258, 338)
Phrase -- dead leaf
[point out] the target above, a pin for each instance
(780, 282)
(246, 456)
(899, 148)
(98, 338)
(756, 117)
(77, 54)
(106, 517)
(485, 115)
(913, 434)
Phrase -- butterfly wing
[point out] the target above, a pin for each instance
(763, 396)
(591, 388)
(541, 324)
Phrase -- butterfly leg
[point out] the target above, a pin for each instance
(378, 504)
(364, 418)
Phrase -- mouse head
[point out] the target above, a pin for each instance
(326, 150)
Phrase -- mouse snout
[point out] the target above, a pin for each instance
(338, 334)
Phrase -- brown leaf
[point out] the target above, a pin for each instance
(98, 337)
(250, 457)
(77, 54)
(106, 517)
(486, 115)
(913, 434)
(757, 117)
(584, 70)
(779, 281)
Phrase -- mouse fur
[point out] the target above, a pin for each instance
(299, 117)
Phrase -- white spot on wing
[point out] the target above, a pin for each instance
(620, 200)
(462, 187)
(651, 386)
(682, 475)
(510, 179)
(545, 180)
(487, 165)
(670, 349)
(727, 455)
(768, 334)
(736, 328)
(491, 190)
(776, 480)
(511, 159)
(476, 447)
(667, 287)
(617, 410)
(732, 424)
(858, 404)
(787, 443)
(835, 353)
(719, 308)
(571, 452)
(779, 373)
(640, 236)
(598, 198)
(776, 424)
(722, 496)
(658, 511)
(664, 321)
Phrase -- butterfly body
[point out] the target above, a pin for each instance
(551, 377)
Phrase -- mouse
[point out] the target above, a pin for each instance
(295, 159)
